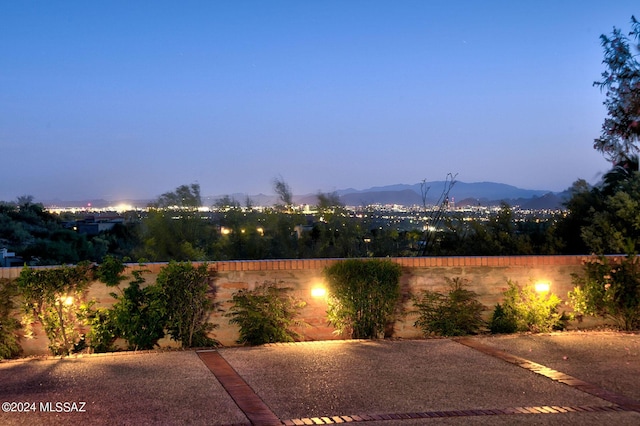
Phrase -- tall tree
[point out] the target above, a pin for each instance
(329, 202)
(620, 135)
(168, 236)
(615, 227)
(184, 196)
(437, 213)
(283, 190)
(603, 215)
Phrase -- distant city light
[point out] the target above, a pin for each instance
(121, 208)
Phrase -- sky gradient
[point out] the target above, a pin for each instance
(127, 100)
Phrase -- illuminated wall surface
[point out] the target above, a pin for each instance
(487, 276)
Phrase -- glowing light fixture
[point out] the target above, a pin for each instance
(66, 300)
(542, 287)
(318, 292)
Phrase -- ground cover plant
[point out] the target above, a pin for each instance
(265, 314)
(609, 288)
(362, 296)
(456, 313)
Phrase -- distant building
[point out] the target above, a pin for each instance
(94, 225)
(300, 230)
(9, 259)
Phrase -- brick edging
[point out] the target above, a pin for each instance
(626, 403)
(247, 400)
(326, 420)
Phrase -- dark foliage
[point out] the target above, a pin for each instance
(609, 288)
(188, 292)
(9, 324)
(362, 296)
(456, 313)
(265, 314)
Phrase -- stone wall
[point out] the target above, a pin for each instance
(487, 276)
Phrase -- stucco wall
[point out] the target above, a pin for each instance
(487, 276)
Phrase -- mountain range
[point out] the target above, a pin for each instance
(462, 194)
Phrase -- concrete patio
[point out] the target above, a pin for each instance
(568, 378)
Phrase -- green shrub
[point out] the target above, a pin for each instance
(362, 296)
(180, 302)
(609, 288)
(456, 313)
(528, 310)
(502, 322)
(139, 314)
(103, 331)
(188, 292)
(265, 314)
(9, 344)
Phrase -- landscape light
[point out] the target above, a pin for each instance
(542, 287)
(66, 300)
(318, 292)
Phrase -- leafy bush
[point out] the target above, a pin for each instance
(188, 292)
(362, 296)
(179, 302)
(502, 322)
(456, 313)
(9, 345)
(265, 314)
(55, 298)
(103, 331)
(609, 288)
(110, 271)
(528, 310)
(139, 314)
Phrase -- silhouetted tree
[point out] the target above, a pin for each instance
(621, 81)
(184, 196)
(283, 190)
(170, 235)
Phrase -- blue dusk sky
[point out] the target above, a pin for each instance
(127, 100)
